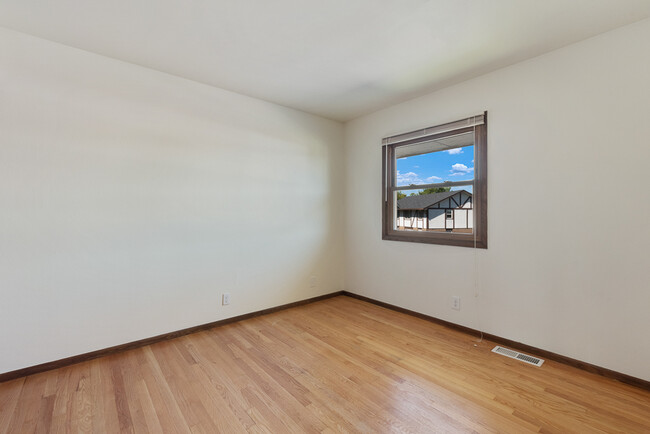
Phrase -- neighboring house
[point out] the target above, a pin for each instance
(447, 211)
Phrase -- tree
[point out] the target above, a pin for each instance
(401, 195)
(435, 190)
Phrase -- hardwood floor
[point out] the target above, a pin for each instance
(336, 365)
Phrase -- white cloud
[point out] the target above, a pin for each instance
(460, 169)
(455, 151)
(408, 178)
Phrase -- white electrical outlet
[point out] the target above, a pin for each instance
(312, 281)
(455, 302)
(225, 298)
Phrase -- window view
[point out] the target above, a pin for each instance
(432, 208)
(430, 178)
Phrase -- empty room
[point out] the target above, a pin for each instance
(357, 216)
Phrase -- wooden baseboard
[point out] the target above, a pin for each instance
(12, 375)
(623, 378)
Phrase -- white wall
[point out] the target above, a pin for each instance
(568, 132)
(131, 199)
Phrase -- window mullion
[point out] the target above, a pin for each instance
(425, 186)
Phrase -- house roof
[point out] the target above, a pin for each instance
(424, 201)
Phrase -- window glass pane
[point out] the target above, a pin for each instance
(447, 159)
(444, 210)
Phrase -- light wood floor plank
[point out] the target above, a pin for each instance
(9, 398)
(338, 365)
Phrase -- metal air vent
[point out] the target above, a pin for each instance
(518, 356)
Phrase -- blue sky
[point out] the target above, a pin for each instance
(453, 165)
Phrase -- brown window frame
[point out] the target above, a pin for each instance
(479, 237)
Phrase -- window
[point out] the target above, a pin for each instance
(438, 177)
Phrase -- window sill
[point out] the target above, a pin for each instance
(445, 239)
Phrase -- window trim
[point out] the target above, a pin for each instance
(479, 195)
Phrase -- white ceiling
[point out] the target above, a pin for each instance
(334, 58)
